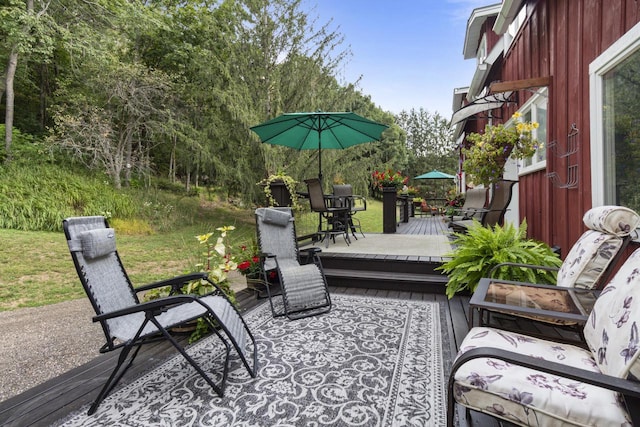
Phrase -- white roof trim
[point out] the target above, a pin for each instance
(482, 71)
(459, 94)
(508, 12)
(474, 24)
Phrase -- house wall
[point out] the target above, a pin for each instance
(561, 38)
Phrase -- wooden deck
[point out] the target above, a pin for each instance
(58, 397)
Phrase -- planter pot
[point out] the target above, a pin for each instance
(255, 283)
(281, 194)
(185, 328)
(389, 199)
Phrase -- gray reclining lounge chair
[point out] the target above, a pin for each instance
(128, 323)
(474, 202)
(304, 287)
(494, 214)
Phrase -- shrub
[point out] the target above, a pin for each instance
(482, 248)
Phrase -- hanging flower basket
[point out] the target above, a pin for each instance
(486, 158)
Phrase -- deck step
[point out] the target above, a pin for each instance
(389, 280)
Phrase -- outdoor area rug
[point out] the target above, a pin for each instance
(368, 362)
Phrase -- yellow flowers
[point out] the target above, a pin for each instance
(218, 260)
(204, 238)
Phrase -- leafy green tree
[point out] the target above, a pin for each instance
(429, 141)
(25, 28)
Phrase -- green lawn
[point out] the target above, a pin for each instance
(36, 268)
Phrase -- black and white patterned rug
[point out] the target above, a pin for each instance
(369, 362)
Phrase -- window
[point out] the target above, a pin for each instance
(615, 124)
(481, 56)
(514, 27)
(535, 110)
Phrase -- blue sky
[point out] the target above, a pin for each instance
(408, 52)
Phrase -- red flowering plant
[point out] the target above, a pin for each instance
(250, 262)
(389, 178)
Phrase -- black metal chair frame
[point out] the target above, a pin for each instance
(343, 197)
(336, 219)
(308, 256)
(152, 309)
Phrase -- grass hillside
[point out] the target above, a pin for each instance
(155, 228)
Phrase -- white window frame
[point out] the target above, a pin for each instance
(624, 47)
(514, 27)
(541, 96)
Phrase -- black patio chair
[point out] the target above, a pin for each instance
(334, 220)
(129, 323)
(303, 285)
(344, 197)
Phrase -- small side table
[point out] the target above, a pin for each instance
(548, 303)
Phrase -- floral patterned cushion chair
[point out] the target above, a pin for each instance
(534, 382)
(588, 264)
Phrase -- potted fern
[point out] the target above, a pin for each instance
(482, 248)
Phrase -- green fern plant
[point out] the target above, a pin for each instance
(482, 248)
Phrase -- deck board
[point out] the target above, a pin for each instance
(60, 396)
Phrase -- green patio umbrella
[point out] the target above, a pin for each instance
(436, 174)
(319, 130)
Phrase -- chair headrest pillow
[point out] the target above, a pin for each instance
(98, 242)
(276, 217)
(616, 220)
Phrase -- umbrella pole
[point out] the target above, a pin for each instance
(319, 154)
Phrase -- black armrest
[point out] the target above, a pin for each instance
(516, 264)
(620, 385)
(175, 282)
(158, 305)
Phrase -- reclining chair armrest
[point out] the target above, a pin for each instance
(309, 255)
(266, 255)
(175, 282)
(516, 264)
(158, 305)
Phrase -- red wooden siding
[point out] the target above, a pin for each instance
(560, 39)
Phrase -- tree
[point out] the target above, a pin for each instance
(429, 141)
(25, 31)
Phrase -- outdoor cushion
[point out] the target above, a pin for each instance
(529, 397)
(587, 259)
(276, 217)
(597, 247)
(616, 220)
(612, 330)
(98, 242)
